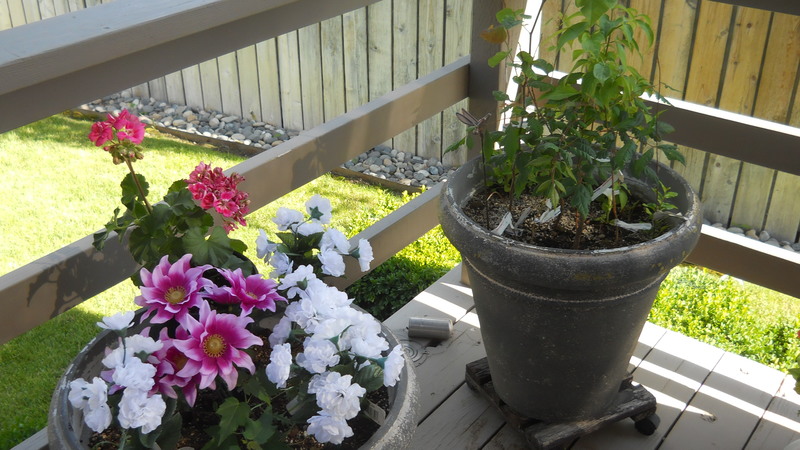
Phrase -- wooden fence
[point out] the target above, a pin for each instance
(730, 57)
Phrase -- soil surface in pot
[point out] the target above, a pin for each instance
(561, 232)
(202, 416)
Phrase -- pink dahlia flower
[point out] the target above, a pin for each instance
(172, 289)
(250, 292)
(169, 361)
(215, 346)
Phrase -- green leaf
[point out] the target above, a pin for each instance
(571, 33)
(561, 92)
(214, 250)
(233, 414)
(601, 71)
(170, 432)
(498, 58)
(672, 153)
(543, 65)
(369, 377)
(130, 192)
(455, 146)
(261, 430)
(594, 9)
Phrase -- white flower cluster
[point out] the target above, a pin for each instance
(333, 333)
(127, 372)
(332, 246)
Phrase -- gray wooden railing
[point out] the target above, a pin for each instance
(56, 64)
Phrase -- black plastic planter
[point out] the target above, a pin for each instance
(560, 326)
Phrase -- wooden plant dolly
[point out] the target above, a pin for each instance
(634, 401)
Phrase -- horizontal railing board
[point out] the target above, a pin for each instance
(64, 61)
(736, 136)
(53, 284)
(748, 259)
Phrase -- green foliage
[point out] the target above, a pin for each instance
(564, 139)
(704, 306)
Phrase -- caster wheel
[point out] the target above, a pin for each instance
(648, 425)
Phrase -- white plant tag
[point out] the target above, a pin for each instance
(549, 214)
(375, 412)
(504, 223)
(522, 217)
(633, 226)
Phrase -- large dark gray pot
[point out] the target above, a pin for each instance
(560, 326)
(67, 430)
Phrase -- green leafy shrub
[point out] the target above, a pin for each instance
(717, 310)
(400, 278)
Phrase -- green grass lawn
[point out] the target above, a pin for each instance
(57, 188)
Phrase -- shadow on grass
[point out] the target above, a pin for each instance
(30, 367)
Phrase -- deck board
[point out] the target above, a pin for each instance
(707, 398)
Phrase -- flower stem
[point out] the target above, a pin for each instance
(139, 186)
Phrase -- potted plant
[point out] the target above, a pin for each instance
(219, 356)
(567, 222)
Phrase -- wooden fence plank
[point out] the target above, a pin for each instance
(269, 82)
(674, 49)
(431, 57)
(16, 12)
(289, 66)
(193, 87)
(32, 13)
(551, 22)
(141, 90)
(644, 63)
(174, 85)
(5, 16)
(229, 84)
(248, 83)
(356, 79)
(61, 7)
(209, 78)
(310, 76)
(738, 95)
(703, 82)
(158, 88)
(333, 93)
(379, 21)
(47, 9)
(784, 199)
(404, 61)
(780, 75)
(456, 45)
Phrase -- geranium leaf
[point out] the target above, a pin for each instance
(214, 250)
(261, 430)
(232, 415)
(129, 190)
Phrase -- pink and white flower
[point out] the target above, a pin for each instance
(215, 346)
(250, 292)
(172, 289)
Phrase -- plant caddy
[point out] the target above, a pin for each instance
(567, 224)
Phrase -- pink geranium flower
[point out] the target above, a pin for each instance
(128, 127)
(250, 292)
(213, 189)
(215, 346)
(172, 289)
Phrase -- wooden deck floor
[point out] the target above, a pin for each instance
(707, 398)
